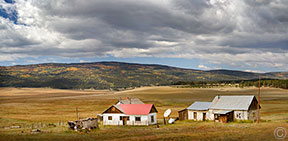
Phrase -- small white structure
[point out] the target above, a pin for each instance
(196, 111)
(223, 109)
(130, 114)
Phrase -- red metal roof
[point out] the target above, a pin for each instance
(136, 109)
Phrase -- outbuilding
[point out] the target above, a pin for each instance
(197, 111)
(243, 107)
(222, 109)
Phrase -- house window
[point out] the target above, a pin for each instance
(138, 118)
(152, 118)
(216, 117)
(195, 115)
(109, 117)
(128, 118)
(238, 115)
(121, 118)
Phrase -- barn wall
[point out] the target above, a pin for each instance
(199, 115)
(183, 115)
(190, 115)
(240, 115)
(210, 115)
(252, 115)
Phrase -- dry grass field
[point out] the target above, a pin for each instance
(41, 106)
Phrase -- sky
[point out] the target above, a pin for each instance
(247, 35)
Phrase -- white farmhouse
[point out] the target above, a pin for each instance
(222, 109)
(130, 114)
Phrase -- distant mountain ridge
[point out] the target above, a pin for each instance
(103, 75)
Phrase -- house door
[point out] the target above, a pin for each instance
(125, 120)
(204, 116)
(223, 118)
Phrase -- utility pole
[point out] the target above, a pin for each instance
(77, 113)
(258, 104)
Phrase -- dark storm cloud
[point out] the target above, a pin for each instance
(203, 29)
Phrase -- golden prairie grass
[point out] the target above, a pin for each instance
(20, 106)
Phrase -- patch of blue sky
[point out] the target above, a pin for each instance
(9, 13)
(10, 1)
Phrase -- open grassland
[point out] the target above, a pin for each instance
(27, 106)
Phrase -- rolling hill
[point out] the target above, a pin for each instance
(103, 75)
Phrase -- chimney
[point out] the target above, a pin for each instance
(128, 98)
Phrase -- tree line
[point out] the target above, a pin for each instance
(236, 83)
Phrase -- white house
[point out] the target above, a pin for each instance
(196, 111)
(130, 114)
(223, 109)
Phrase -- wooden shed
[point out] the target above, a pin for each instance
(223, 116)
(183, 114)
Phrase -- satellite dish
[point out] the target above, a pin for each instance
(171, 121)
(167, 113)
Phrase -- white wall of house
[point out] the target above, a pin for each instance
(115, 119)
(199, 115)
(154, 116)
(240, 115)
(145, 119)
(210, 115)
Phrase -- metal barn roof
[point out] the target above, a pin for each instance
(222, 112)
(232, 102)
(199, 106)
(131, 101)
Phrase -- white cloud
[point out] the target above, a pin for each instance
(203, 67)
(254, 71)
(82, 61)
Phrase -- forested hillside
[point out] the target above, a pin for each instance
(103, 75)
